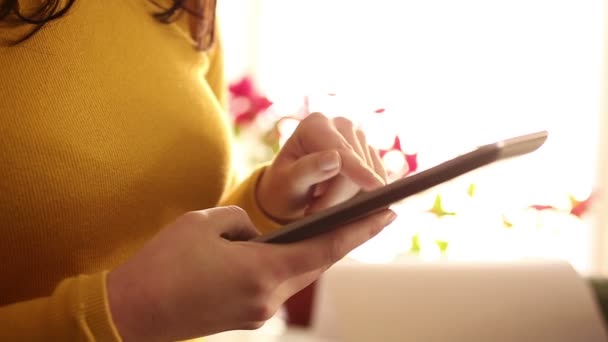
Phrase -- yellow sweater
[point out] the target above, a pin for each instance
(112, 126)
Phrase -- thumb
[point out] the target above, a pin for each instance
(314, 168)
(230, 222)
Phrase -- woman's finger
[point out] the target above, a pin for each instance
(357, 170)
(312, 169)
(295, 285)
(347, 130)
(363, 142)
(339, 189)
(316, 133)
(378, 164)
(328, 248)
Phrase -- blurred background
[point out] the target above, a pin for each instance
(428, 80)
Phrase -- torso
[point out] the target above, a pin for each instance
(109, 131)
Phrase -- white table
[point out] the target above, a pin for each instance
(291, 335)
(275, 330)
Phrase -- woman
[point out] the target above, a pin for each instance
(118, 217)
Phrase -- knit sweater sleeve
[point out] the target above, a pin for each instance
(76, 311)
(243, 195)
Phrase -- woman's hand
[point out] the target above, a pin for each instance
(193, 279)
(324, 162)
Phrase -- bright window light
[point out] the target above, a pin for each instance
(452, 75)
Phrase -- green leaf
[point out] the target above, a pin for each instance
(471, 190)
(437, 208)
(415, 244)
(443, 245)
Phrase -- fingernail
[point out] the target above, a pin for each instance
(390, 217)
(329, 161)
(378, 178)
(378, 181)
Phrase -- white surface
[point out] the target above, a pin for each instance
(275, 330)
(292, 335)
(457, 302)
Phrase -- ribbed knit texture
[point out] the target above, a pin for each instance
(112, 126)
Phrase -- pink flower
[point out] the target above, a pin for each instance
(412, 162)
(396, 147)
(541, 207)
(246, 103)
(242, 88)
(410, 159)
(579, 208)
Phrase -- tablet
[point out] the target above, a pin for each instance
(367, 203)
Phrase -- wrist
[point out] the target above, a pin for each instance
(263, 199)
(130, 311)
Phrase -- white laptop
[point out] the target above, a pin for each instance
(458, 302)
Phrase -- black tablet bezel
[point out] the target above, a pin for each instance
(369, 202)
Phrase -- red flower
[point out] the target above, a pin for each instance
(410, 159)
(581, 207)
(541, 207)
(578, 208)
(396, 147)
(412, 162)
(242, 88)
(247, 103)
